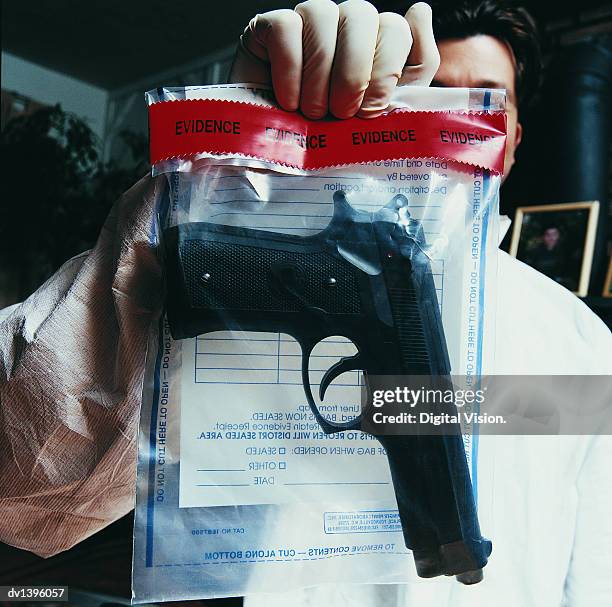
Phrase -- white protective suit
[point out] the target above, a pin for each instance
(71, 368)
(544, 501)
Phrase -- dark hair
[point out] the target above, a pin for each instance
(502, 19)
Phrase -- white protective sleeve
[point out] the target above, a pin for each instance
(72, 359)
(544, 501)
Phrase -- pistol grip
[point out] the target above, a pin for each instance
(436, 505)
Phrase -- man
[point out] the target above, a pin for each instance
(80, 340)
(549, 257)
(542, 500)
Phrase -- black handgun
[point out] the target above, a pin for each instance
(366, 277)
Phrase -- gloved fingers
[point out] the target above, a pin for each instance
(319, 32)
(424, 59)
(271, 51)
(392, 47)
(343, 59)
(250, 65)
(355, 47)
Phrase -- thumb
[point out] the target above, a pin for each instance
(270, 51)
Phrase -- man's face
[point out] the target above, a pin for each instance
(551, 238)
(482, 62)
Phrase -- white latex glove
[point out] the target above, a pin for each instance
(345, 59)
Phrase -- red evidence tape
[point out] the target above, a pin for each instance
(184, 128)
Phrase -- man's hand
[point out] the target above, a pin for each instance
(345, 59)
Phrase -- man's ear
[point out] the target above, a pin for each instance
(518, 134)
(509, 158)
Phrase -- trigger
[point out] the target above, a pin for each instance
(348, 363)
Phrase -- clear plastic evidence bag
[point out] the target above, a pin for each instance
(273, 232)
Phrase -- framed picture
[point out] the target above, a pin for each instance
(607, 290)
(558, 240)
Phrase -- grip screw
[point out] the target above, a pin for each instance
(331, 282)
(205, 277)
